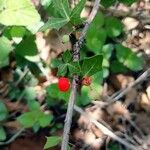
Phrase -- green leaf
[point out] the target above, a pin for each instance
(27, 49)
(5, 49)
(62, 70)
(54, 92)
(2, 134)
(107, 50)
(129, 58)
(92, 65)
(62, 6)
(95, 40)
(52, 141)
(117, 67)
(114, 27)
(75, 14)
(98, 21)
(127, 2)
(54, 23)
(74, 68)
(18, 12)
(56, 62)
(28, 119)
(17, 31)
(45, 119)
(108, 3)
(3, 111)
(134, 62)
(67, 56)
(33, 105)
(105, 72)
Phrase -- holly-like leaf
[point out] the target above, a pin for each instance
(75, 14)
(54, 23)
(62, 6)
(5, 49)
(67, 56)
(18, 12)
(62, 70)
(129, 58)
(2, 134)
(74, 68)
(114, 27)
(92, 65)
(52, 141)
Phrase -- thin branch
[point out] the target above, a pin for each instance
(140, 79)
(13, 138)
(105, 130)
(76, 57)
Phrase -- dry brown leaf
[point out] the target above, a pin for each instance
(148, 91)
(118, 109)
(131, 96)
(130, 23)
(12, 125)
(145, 102)
(89, 137)
(143, 122)
(120, 81)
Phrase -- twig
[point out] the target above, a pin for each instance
(141, 78)
(13, 137)
(76, 57)
(105, 130)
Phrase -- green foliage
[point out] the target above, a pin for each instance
(52, 141)
(63, 14)
(108, 3)
(128, 58)
(55, 93)
(29, 119)
(27, 49)
(3, 111)
(95, 40)
(2, 134)
(75, 14)
(92, 65)
(100, 55)
(5, 49)
(18, 12)
(114, 26)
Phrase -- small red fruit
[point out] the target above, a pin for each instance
(87, 81)
(63, 84)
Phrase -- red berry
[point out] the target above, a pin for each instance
(86, 81)
(63, 84)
